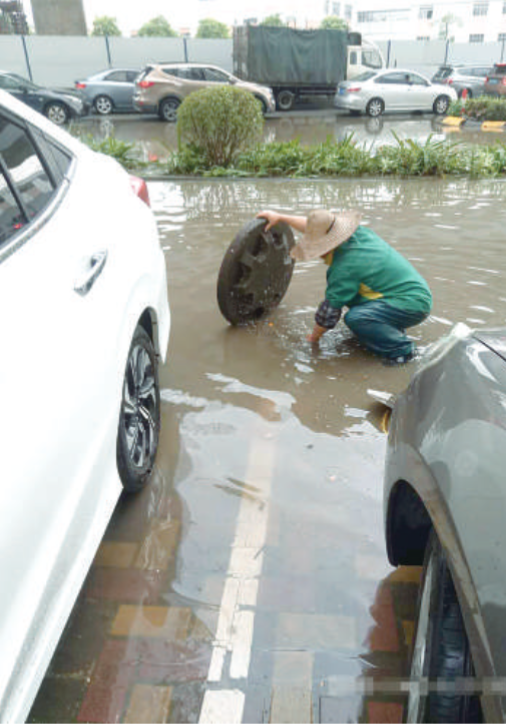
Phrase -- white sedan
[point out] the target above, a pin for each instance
(84, 322)
(375, 92)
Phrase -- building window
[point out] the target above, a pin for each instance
(476, 38)
(426, 12)
(423, 37)
(347, 12)
(480, 9)
(501, 37)
(504, 8)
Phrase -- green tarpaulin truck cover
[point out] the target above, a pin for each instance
(278, 56)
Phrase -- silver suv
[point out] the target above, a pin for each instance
(463, 77)
(161, 88)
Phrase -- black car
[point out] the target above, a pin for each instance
(59, 106)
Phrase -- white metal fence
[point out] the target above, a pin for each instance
(59, 61)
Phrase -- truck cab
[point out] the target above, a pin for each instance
(366, 56)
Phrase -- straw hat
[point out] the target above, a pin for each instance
(324, 231)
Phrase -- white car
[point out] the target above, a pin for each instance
(376, 92)
(84, 322)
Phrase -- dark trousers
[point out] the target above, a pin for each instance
(381, 327)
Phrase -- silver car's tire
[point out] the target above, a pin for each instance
(139, 423)
(57, 113)
(285, 100)
(168, 109)
(375, 107)
(441, 659)
(441, 105)
(103, 105)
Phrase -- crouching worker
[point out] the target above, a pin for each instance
(384, 293)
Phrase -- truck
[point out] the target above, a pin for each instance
(297, 63)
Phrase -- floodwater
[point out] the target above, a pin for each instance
(250, 581)
(156, 139)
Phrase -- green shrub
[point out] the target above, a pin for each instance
(220, 122)
(483, 108)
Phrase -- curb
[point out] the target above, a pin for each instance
(458, 122)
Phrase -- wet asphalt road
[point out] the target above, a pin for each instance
(251, 578)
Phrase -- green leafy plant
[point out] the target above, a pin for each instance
(220, 121)
(209, 28)
(483, 108)
(332, 22)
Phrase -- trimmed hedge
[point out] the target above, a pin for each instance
(483, 108)
(219, 123)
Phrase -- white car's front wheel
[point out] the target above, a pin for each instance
(139, 424)
(441, 105)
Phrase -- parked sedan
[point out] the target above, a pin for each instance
(161, 88)
(469, 78)
(445, 509)
(111, 90)
(85, 320)
(375, 92)
(60, 107)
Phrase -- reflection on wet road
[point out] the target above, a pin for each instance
(250, 581)
(156, 139)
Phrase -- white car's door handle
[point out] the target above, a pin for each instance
(88, 279)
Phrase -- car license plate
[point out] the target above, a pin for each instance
(493, 81)
(341, 91)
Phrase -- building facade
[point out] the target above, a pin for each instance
(462, 21)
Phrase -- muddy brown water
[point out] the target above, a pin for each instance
(271, 460)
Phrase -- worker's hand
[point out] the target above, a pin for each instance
(272, 217)
(311, 338)
(316, 334)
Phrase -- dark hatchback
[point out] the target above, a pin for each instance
(59, 106)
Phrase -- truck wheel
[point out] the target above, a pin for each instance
(375, 107)
(285, 100)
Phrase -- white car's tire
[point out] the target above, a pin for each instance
(139, 423)
(375, 107)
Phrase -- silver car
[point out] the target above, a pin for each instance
(111, 90)
(445, 509)
(469, 78)
(375, 92)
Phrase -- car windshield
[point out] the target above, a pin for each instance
(365, 76)
(442, 73)
(21, 82)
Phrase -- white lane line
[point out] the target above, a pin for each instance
(235, 628)
(222, 707)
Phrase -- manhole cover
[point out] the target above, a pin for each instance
(255, 271)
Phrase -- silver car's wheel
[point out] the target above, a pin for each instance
(441, 659)
(57, 113)
(103, 105)
(441, 105)
(168, 109)
(375, 107)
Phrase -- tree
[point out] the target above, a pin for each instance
(210, 28)
(157, 27)
(274, 21)
(105, 25)
(445, 24)
(332, 22)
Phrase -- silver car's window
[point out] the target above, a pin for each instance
(11, 217)
(393, 78)
(417, 79)
(117, 76)
(195, 74)
(176, 72)
(215, 76)
(30, 181)
(132, 75)
(365, 76)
